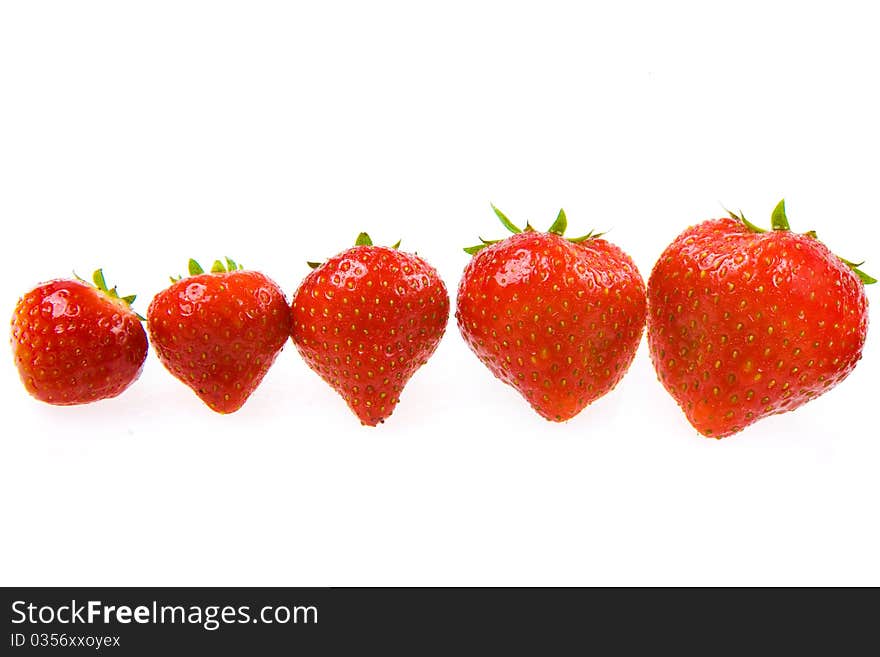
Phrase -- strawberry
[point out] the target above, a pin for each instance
(558, 319)
(219, 332)
(366, 320)
(744, 323)
(75, 344)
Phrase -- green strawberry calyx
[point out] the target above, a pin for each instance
(779, 221)
(363, 239)
(101, 284)
(219, 267)
(558, 227)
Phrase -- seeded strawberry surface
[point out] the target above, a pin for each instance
(366, 320)
(559, 321)
(73, 344)
(219, 333)
(743, 324)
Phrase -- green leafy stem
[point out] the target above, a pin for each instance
(363, 239)
(779, 221)
(101, 283)
(219, 267)
(559, 226)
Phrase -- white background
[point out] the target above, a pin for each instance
(133, 136)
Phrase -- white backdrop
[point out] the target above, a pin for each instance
(133, 136)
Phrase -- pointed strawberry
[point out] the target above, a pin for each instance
(219, 332)
(558, 319)
(75, 343)
(366, 320)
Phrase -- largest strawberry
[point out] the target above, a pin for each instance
(745, 323)
(558, 319)
(366, 320)
(220, 331)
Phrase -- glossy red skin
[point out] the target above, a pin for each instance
(558, 321)
(73, 344)
(365, 321)
(743, 325)
(219, 333)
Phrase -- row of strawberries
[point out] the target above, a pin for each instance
(742, 323)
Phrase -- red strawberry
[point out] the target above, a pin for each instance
(219, 332)
(366, 320)
(745, 323)
(558, 319)
(75, 344)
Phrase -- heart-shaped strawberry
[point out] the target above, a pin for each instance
(219, 332)
(744, 323)
(558, 319)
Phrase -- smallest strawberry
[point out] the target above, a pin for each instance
(75, 343)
